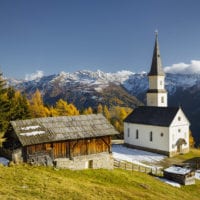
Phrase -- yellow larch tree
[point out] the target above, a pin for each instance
(37, 107)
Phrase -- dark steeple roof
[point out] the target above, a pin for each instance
(156, 65)
(150, 115)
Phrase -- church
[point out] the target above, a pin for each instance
(157, 127)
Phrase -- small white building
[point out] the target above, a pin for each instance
(157, 127)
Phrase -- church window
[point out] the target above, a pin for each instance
(162, 99)
(179, 118)
(179, 130)
(128, 132)
(151, 136)
(162, 134)
(137, 134)
(160, 82)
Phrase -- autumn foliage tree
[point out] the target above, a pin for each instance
(106, 113)
(115, 115)
(118, 114)
(36, 106)
(100, 109)
(63, 108)
(88, 111)
(19, 105)
(191, 139)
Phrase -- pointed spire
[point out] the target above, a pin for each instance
(156, 66)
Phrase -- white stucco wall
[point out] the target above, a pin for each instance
(179, 128)
(157, 82)
(155, 99)
(158, 143)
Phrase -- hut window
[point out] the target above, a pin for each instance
(137, 134)
(151, 136)
(128, 132)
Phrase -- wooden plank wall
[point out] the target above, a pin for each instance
(67, 149)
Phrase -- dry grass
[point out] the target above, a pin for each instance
(28, 182)
(190, 157)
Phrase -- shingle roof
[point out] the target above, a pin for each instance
(41, 130)
(157, 116)
(156, 66)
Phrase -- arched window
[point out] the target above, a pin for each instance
(162, 99)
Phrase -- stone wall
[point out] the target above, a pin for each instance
(40, 159)
(94, 161)
(15, 155)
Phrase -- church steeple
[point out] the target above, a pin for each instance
(156, 95)
(156, 65)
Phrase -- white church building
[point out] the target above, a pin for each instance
(157, 127)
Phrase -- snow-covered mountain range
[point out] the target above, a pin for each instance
(135, 83)
(87, 88)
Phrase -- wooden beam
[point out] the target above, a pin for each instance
(106, 144)
(70, 156)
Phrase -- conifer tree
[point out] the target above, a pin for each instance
(87, 111)
(37, 108)
(4, 105)
(100, 109)
(19, 106)
(53, 112)
(73, 110)
(106, 112)
(63, 108)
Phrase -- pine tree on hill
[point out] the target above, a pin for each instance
(4, 105)
(37, 107)
(19, 106)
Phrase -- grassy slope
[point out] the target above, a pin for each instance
(190, 157)
(28, 182)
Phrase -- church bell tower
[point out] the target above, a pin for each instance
(156, 95)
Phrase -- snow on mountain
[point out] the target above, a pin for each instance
(135, 83)
(98, 77)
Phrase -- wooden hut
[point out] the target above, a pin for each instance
(180, 174)
(74, 142)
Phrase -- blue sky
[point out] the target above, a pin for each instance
(110, 35)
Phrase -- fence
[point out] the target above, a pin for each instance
(139, 168)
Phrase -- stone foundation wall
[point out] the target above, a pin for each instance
(40, 159)
(94, 161)
(15, 155)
